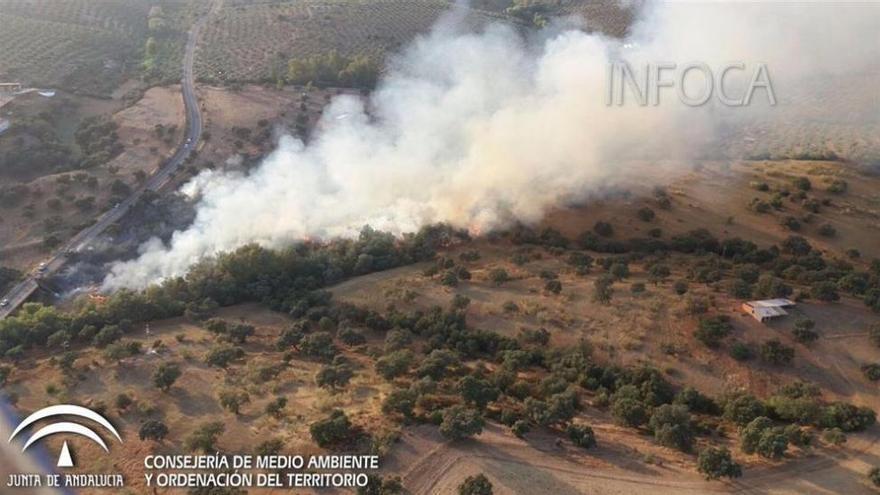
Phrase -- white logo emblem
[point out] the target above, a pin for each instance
(65, 460)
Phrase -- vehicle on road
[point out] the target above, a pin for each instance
(4, 303)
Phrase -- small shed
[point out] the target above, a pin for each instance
(767, 309)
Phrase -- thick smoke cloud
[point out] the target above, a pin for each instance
(481, 129)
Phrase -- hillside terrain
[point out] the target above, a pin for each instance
(601, 349)
(568, 287)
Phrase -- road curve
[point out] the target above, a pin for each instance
(24, 289)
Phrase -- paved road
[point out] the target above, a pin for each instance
(24, 289)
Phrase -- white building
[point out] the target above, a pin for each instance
(767, 309)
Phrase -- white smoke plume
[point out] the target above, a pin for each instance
(481, 129)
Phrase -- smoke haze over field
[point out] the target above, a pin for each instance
(481, 129)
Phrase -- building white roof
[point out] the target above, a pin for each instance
(772, 303)
(768, 311)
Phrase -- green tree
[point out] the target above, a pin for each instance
(154, 430)
(394, 364)
(461, 422)
(165, 376)
(715, 463)
(629, 412)
(750, 435)
(332, 430)
(742, 409)
(334, 376)
(671, 425)
(477, 391)
(232, 400)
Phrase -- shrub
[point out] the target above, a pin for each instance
(834, 436)
(553, 286)
(847, 417)
(275, 408)
(695, 401)
(773, 443)
(604, 229)
(743, 409)
(602, 289)
(498, 276)
(475, 485)
(204, 438)
(802, 410)
(776, 353)
(827, 230)
(791, 223)
(319, 345)
(438, 363)
(750, 435)
(797, 436)
(874, 476)
(520, 428)
(352, 337)
(874, 334)
(581, 435)
(838, 186)
(221, 356)
(449, 279)
(107, 335)
(332, 430)
(825, 291)
(680, 287)
(803, 183)
(619, 271)
(871, 371)
(715, 463)
(741, 351)
(658, 273)
(645, 214)
(796, 245)
(803, 331)
(712, 330)
(401, 402)
(232, 400)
